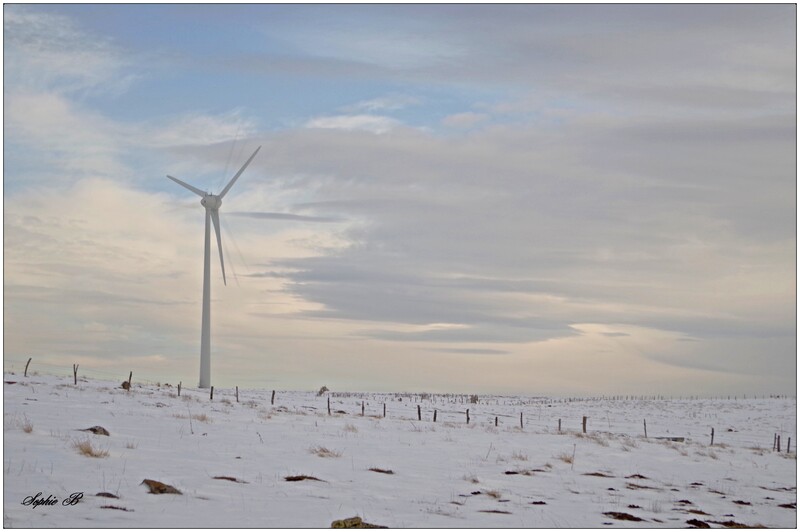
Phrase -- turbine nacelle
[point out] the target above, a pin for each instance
(211, 201)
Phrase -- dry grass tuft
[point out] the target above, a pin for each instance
(324, 452)
(202, 417)
(86, 448)
(350, 428)
(26, 425)
(298, 478)
(565, 457)
(520, 456)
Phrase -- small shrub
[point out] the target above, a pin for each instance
(86, 448)
(473, 399)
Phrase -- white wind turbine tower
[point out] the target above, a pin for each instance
(212, 204)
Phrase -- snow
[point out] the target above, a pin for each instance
(447, 474)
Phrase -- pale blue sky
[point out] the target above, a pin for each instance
(522, 198)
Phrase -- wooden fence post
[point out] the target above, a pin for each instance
(329, 405)
(237, 394)
(75, 373)
(419, 413)
(495, 421)
(779, 443)
(559, 425)
(384, 409)
(130, 379)
(362, 408)
(179, 388)
(584, 424)
(467, 416)
(712, 435)
(212, 394)
(272, 401)
(645, 428)
(788, 444)
(434, 415)
(774, 440)
(26, 366)
(520, 420)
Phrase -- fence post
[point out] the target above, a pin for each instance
(559, 425)
(645, 428)
(434, 415)
(384, 409)
(712, 436)
(467, 416)
(179, 388)
(584, 424)
(272, 401)
(212, 394)
(237, 394)
(362, 408)
(520, 420)
(26, 366)
(75, 373)
(779, 443)
(419, 413)
(329, 405)
(788, 444)
(130, 379)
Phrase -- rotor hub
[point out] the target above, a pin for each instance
(211, 202)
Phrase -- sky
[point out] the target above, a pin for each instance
(517, 199)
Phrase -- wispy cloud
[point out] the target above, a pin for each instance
(372, 123)
(50, 52)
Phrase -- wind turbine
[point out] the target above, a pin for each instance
(212, 203)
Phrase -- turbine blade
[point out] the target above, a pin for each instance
(215, 219)
(190, 187)
(233, 180)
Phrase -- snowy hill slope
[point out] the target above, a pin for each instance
(443, 474)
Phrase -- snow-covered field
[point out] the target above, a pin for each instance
(444, 474)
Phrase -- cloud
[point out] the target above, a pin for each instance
(392, 102)
(372, 123)
(285, 216)
(201, 129)
(463, 120)
(47, 51)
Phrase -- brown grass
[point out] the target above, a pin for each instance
(26, 425)
(565, 457)
(86, 448)
(231, 479)
(298, 478)
(324, 452)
